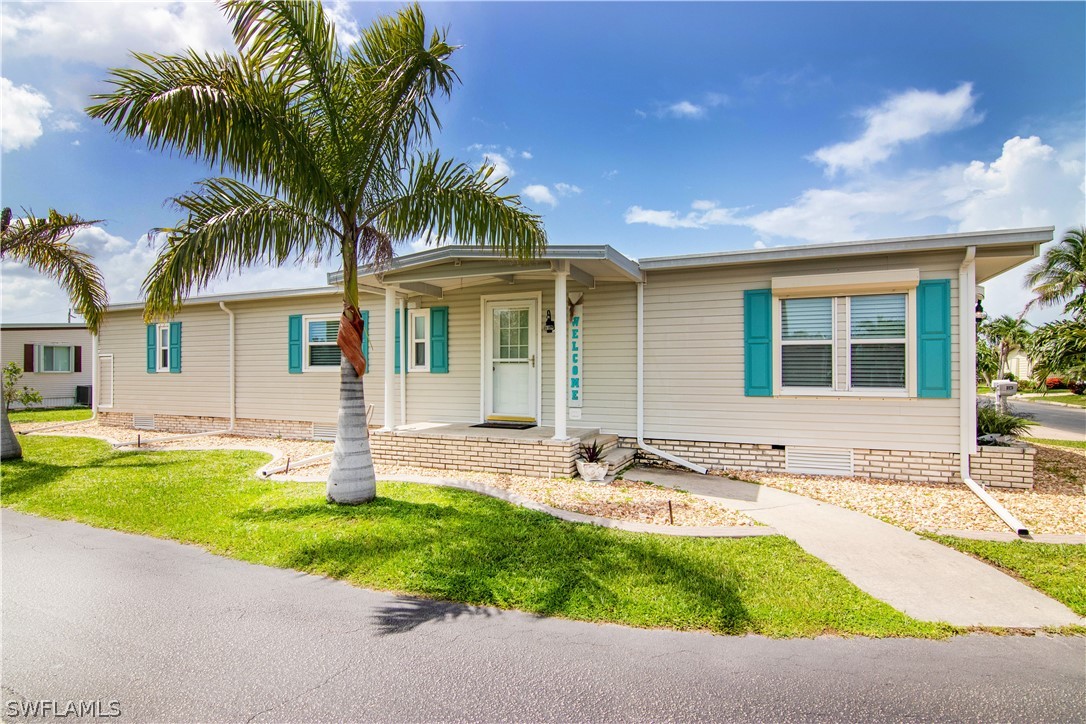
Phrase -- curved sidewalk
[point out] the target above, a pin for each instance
(924, 579)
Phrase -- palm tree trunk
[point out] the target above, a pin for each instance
(351, 480)
(10, 449)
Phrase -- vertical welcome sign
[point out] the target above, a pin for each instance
(576, 355)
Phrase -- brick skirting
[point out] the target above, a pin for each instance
(999, 467)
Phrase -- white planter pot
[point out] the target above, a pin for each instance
(592, 472)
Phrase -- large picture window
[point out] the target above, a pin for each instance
(847, 344)
(321, 350)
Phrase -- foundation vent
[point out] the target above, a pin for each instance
(817, 460)
(324, 431)
(143, 422)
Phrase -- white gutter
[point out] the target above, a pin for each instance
(94, 395)
(641, 390)
(967, 385)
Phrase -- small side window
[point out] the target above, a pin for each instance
(163, 348)
(419, 340)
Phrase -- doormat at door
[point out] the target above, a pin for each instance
(507, 425)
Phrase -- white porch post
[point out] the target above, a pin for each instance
(402, 352)
(390, 354)
(560, 352)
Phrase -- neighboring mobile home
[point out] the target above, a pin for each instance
(55, 359)
(844, 358)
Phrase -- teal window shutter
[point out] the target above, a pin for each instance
(758, 342)
(933, 338)
(152, 348)
(396, 349)
(366, 337)
(294, 344)
(439, 339)
(175, 346)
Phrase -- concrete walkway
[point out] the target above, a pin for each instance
(926, 580)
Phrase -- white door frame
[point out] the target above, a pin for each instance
(485, 390)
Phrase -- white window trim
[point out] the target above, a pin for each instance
(159, 348)
(39, 364)
(779, 390)
(412, 315)
(306, 319)
(781, 342)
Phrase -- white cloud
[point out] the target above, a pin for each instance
(565, 189)
(526, 155)
(689, 109)
(1029, 184)
(347, 28)
(540, 194)
(904, 117)
(499, 163)
(685, 109)
(21, 115)
(760, 244)
(609, 175)
(104, 33)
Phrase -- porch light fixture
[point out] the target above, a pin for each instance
(548, 326)
(980, 314)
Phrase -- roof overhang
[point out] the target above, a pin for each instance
(432, 271)
(997, 251)
(237, 297)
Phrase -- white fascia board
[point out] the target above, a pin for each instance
(884, 281)
(942, 242)
(238, 297)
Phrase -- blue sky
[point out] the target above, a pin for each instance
(656, 128)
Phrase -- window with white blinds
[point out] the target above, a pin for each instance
(865, 352)
(320, 342)
(807, 342)
(877, 341)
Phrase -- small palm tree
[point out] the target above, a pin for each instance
(1060, 276)
(43, 244)
(330, 152)
(1006, 333)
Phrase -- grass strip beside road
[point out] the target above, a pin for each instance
(1058, 570)
(449, 544)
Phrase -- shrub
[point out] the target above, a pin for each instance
(26, 396)
(1054, 383)
(991, 421)
(1077, 387)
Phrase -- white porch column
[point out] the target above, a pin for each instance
(561, 354)
(402, 352)
(390, 354)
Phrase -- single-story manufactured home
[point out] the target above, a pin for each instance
(54, 359)
(844, 358)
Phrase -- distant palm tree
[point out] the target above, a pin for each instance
(332, 146)
(43, 245)
(1060, 276)
(1006, 333)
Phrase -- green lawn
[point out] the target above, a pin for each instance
(59, 414)
(1079, 444)
(1057, 570)
(984, 390)
(1066, 398)
(449, 544)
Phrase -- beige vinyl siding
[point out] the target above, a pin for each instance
(694, 368)
(56, 388)
(201, 388)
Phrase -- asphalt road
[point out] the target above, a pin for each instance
(175, 634)
(1054, 421)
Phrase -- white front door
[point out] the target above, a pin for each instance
(510, 357)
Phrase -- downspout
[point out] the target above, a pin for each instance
(94, 395)
(641, 390)
(232, 366)
(967, 385)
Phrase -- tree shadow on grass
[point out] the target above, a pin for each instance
(473, 549)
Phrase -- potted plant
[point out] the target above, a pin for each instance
(592, 468)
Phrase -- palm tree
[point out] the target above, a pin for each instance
(1060, 276)
(43, 244)
(1005, 334)
(330, 153)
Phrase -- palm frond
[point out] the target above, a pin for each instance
(446, 200)
(43, 244)
(1060, 275)
(229, 226)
